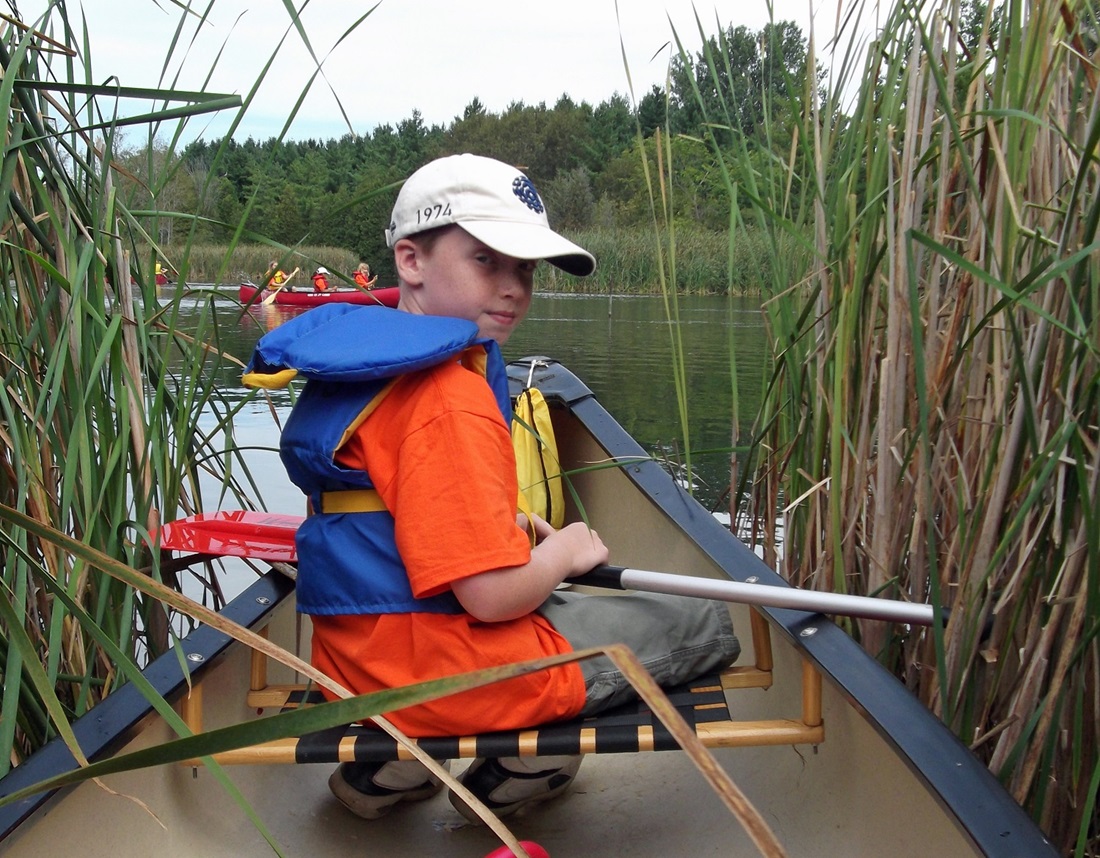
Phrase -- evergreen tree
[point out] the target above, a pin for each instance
(584, 159)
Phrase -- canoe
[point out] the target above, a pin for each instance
(882, 777)
(385, 296)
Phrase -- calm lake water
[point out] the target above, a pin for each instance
(621, 348)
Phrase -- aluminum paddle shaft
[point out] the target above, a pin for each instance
(868, 607)
(268, 536)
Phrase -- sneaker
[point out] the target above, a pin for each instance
(369, 790)
(504, 791)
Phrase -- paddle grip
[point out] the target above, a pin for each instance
(609, 577)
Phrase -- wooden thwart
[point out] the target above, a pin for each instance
(631, 728)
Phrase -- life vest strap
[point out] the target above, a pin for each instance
(352, 500)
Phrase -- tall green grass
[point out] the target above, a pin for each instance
(249, 262)
(629, 263)
(100, 397)
(110, 419)
(931, 431)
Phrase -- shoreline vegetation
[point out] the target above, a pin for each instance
(931, 429)
(920, 218)
(628, 262)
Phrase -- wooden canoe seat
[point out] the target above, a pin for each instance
(626, 729)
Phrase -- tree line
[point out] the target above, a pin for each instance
(583, 158)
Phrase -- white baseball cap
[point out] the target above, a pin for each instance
(495, 203)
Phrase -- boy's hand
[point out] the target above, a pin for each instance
(582, 544)
(503, 594)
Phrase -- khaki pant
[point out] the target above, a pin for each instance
(677, 638)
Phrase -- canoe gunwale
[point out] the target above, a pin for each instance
(120, 716)
(955, 778)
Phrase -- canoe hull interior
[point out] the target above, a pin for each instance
(867, 790)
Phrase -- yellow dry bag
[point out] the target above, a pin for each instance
(537, 458)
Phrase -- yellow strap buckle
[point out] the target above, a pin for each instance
(352, 500)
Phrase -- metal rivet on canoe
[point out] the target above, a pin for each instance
(752, 579)
(808, 632)
(196, 657)
(263, 600)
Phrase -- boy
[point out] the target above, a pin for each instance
(414, 566)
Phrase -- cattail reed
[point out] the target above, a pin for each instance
(931, 430)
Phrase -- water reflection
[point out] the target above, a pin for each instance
(623, 349)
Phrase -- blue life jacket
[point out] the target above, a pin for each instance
(348, 562)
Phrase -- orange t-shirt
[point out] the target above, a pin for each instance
(441, 457)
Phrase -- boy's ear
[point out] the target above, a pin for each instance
(406, 256)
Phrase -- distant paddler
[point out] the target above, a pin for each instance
(161, 273)
(362, 276)
(320, 280)
(275, 280)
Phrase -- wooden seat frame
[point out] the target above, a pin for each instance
(624, 730)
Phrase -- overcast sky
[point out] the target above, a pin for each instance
(431, 55)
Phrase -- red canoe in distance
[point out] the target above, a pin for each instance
(159, 279)
(385, 297)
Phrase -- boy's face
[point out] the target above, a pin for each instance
(461, 277)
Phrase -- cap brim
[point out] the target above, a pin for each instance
(529, 241)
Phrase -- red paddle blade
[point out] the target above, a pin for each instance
(235, 533)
